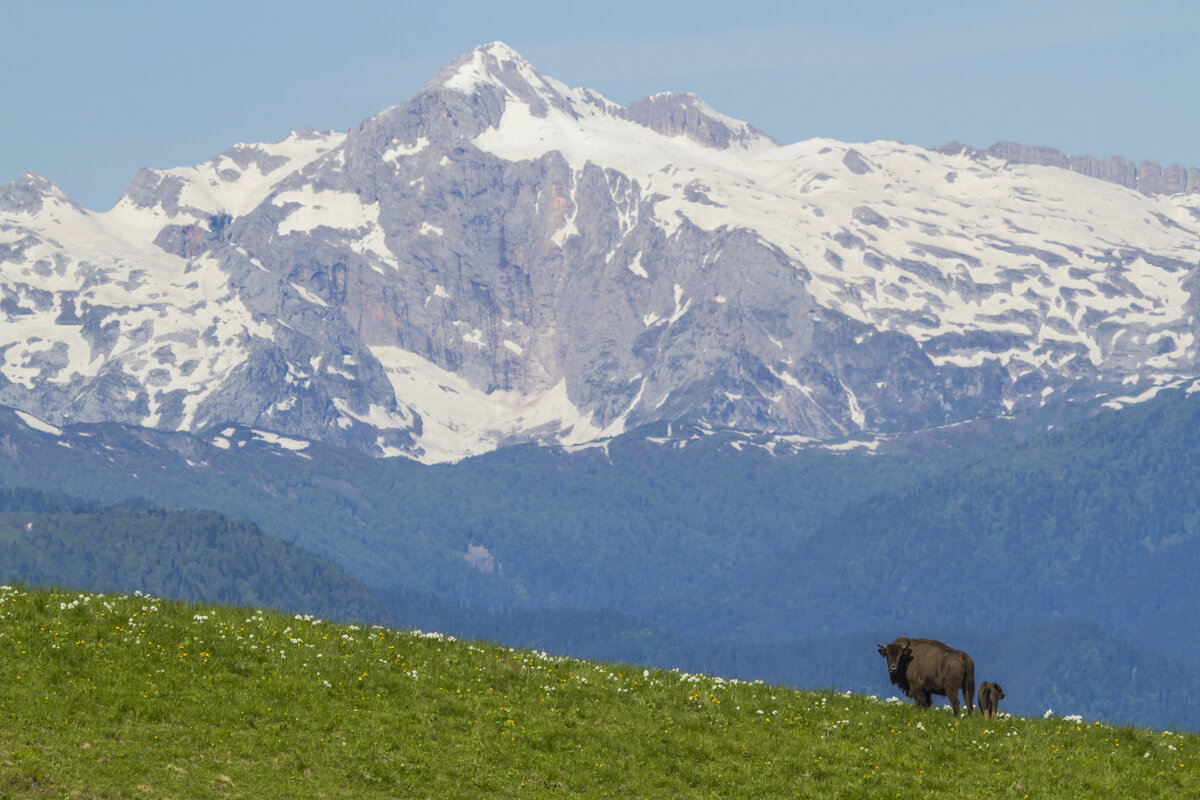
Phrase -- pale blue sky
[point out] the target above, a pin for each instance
(92, 91)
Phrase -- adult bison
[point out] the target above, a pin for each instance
(924, 667)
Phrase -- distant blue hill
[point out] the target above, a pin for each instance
(1076, 547)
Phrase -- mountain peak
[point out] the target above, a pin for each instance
(28, 193)
(498, 66)
(489, 62)
(500, 51)
(503, 258)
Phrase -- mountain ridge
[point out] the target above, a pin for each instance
(1147, 177)
(504, 259)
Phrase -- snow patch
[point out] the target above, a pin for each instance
(844, 447)
(636, 267)
(400, 150)
(459, 420)
(37, 424)
(376, 416)
(324, 209)
(309, 295)
(279, 441)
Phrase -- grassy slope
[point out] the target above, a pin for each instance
(127, 696)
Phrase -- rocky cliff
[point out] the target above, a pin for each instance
(1146, 177)
(502, 258)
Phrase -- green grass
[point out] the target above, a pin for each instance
(110, 696)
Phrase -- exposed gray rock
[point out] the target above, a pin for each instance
(152, 188)
(1147, 177)
(1029, 154)
(412, 287)
(855, 162)
(868, 216)
(685, 114)
(27, 194)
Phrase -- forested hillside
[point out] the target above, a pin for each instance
(55, 540)
(616, 527)
(675, 547)
(1099, 521)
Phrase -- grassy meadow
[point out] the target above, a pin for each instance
(129, 696)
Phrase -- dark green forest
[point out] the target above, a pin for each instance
(50, 539)
(1097, 522)
(620, 528)
(699, 549)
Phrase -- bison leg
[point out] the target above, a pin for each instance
(921, 698)
(953, 687)
(969, 686)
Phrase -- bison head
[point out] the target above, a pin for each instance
(897, 654)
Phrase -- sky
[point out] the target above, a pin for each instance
(93, 91)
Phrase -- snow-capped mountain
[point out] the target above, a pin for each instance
(503, 258)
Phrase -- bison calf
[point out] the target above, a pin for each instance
(990, 695)
(925, 667)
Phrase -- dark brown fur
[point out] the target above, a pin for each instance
(925, 667)
(990, 695)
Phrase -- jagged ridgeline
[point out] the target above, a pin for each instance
(107, 692)
(502, 258)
